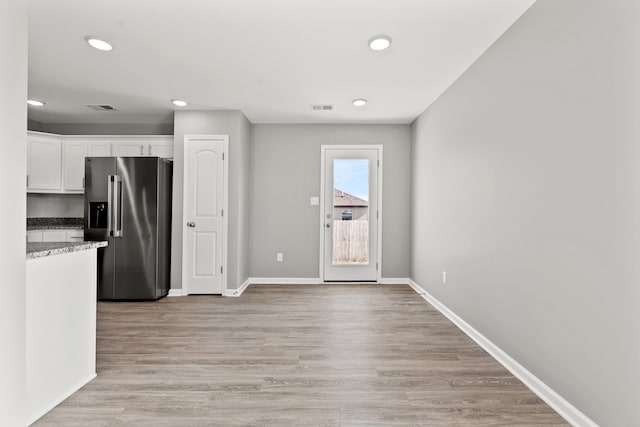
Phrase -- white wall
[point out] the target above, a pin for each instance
(13, 143)
(236, 125)
(526, 190)
(55, 205)
(285, 168)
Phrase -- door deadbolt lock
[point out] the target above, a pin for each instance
(191, 224)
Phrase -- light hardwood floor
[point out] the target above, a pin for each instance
(329, 355)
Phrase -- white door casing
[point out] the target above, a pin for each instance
(362, 271)
(205, 214)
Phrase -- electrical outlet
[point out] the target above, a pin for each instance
(279, 257)
(444, 277)
(314, 201)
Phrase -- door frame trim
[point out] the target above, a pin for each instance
(225, 202)
(323, 150)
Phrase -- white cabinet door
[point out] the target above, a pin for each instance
(75, 235)
(99, 149)
(74, 155)
(34, 236)
(129, 148)
(54, 236)
(44, 163)
(161, 147)
(143, 146)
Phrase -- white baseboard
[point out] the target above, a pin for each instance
(32, 418)
(566, 410)
(284, 280)
(239, 291)
(175, 293)
(317, 281)
(392, 281)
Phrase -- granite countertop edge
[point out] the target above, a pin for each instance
(55, 223)
(54, 227)
(45, 249)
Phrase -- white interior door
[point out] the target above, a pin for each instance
(205, 204)
(350, 213)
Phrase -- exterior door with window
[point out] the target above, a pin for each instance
(350, 213)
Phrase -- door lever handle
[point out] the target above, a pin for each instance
(191, 224)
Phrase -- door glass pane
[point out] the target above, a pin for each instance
(350, 211)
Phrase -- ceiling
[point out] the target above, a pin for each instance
(270, 59)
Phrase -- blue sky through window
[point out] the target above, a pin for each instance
(352, 176)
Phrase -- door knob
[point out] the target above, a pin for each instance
(328, 225)
(191, 224)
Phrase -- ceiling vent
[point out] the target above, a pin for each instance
(101, 107)
(322, 107)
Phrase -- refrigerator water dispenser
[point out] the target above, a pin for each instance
(98, 215)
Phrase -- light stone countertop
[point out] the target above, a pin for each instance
(44, 249)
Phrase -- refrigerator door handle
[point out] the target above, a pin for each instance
(117, 206)
(110, 205)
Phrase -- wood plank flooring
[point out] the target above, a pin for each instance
(328, 355)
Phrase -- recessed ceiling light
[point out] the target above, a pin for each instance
(360, 102)
(179, 103)
(380, 42)
(98, 44)
(35, 102)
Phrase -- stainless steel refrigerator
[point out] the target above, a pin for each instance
(128, 204)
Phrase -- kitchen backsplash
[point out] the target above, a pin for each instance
(55, 205)
(34, 223)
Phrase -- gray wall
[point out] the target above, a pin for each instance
(55, 205)
(286, 173)
(13, 169)
(34, 125)
(236, 125)
(526, 191)
(103, 128)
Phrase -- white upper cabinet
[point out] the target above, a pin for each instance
(55, 163)
(129, 147)
(44, 163)
(161, 146)
(99, 148)
(76, 149)
(143, 146)
(74, 155)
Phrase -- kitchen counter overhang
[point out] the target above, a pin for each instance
(61, 321)
(44, 249)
